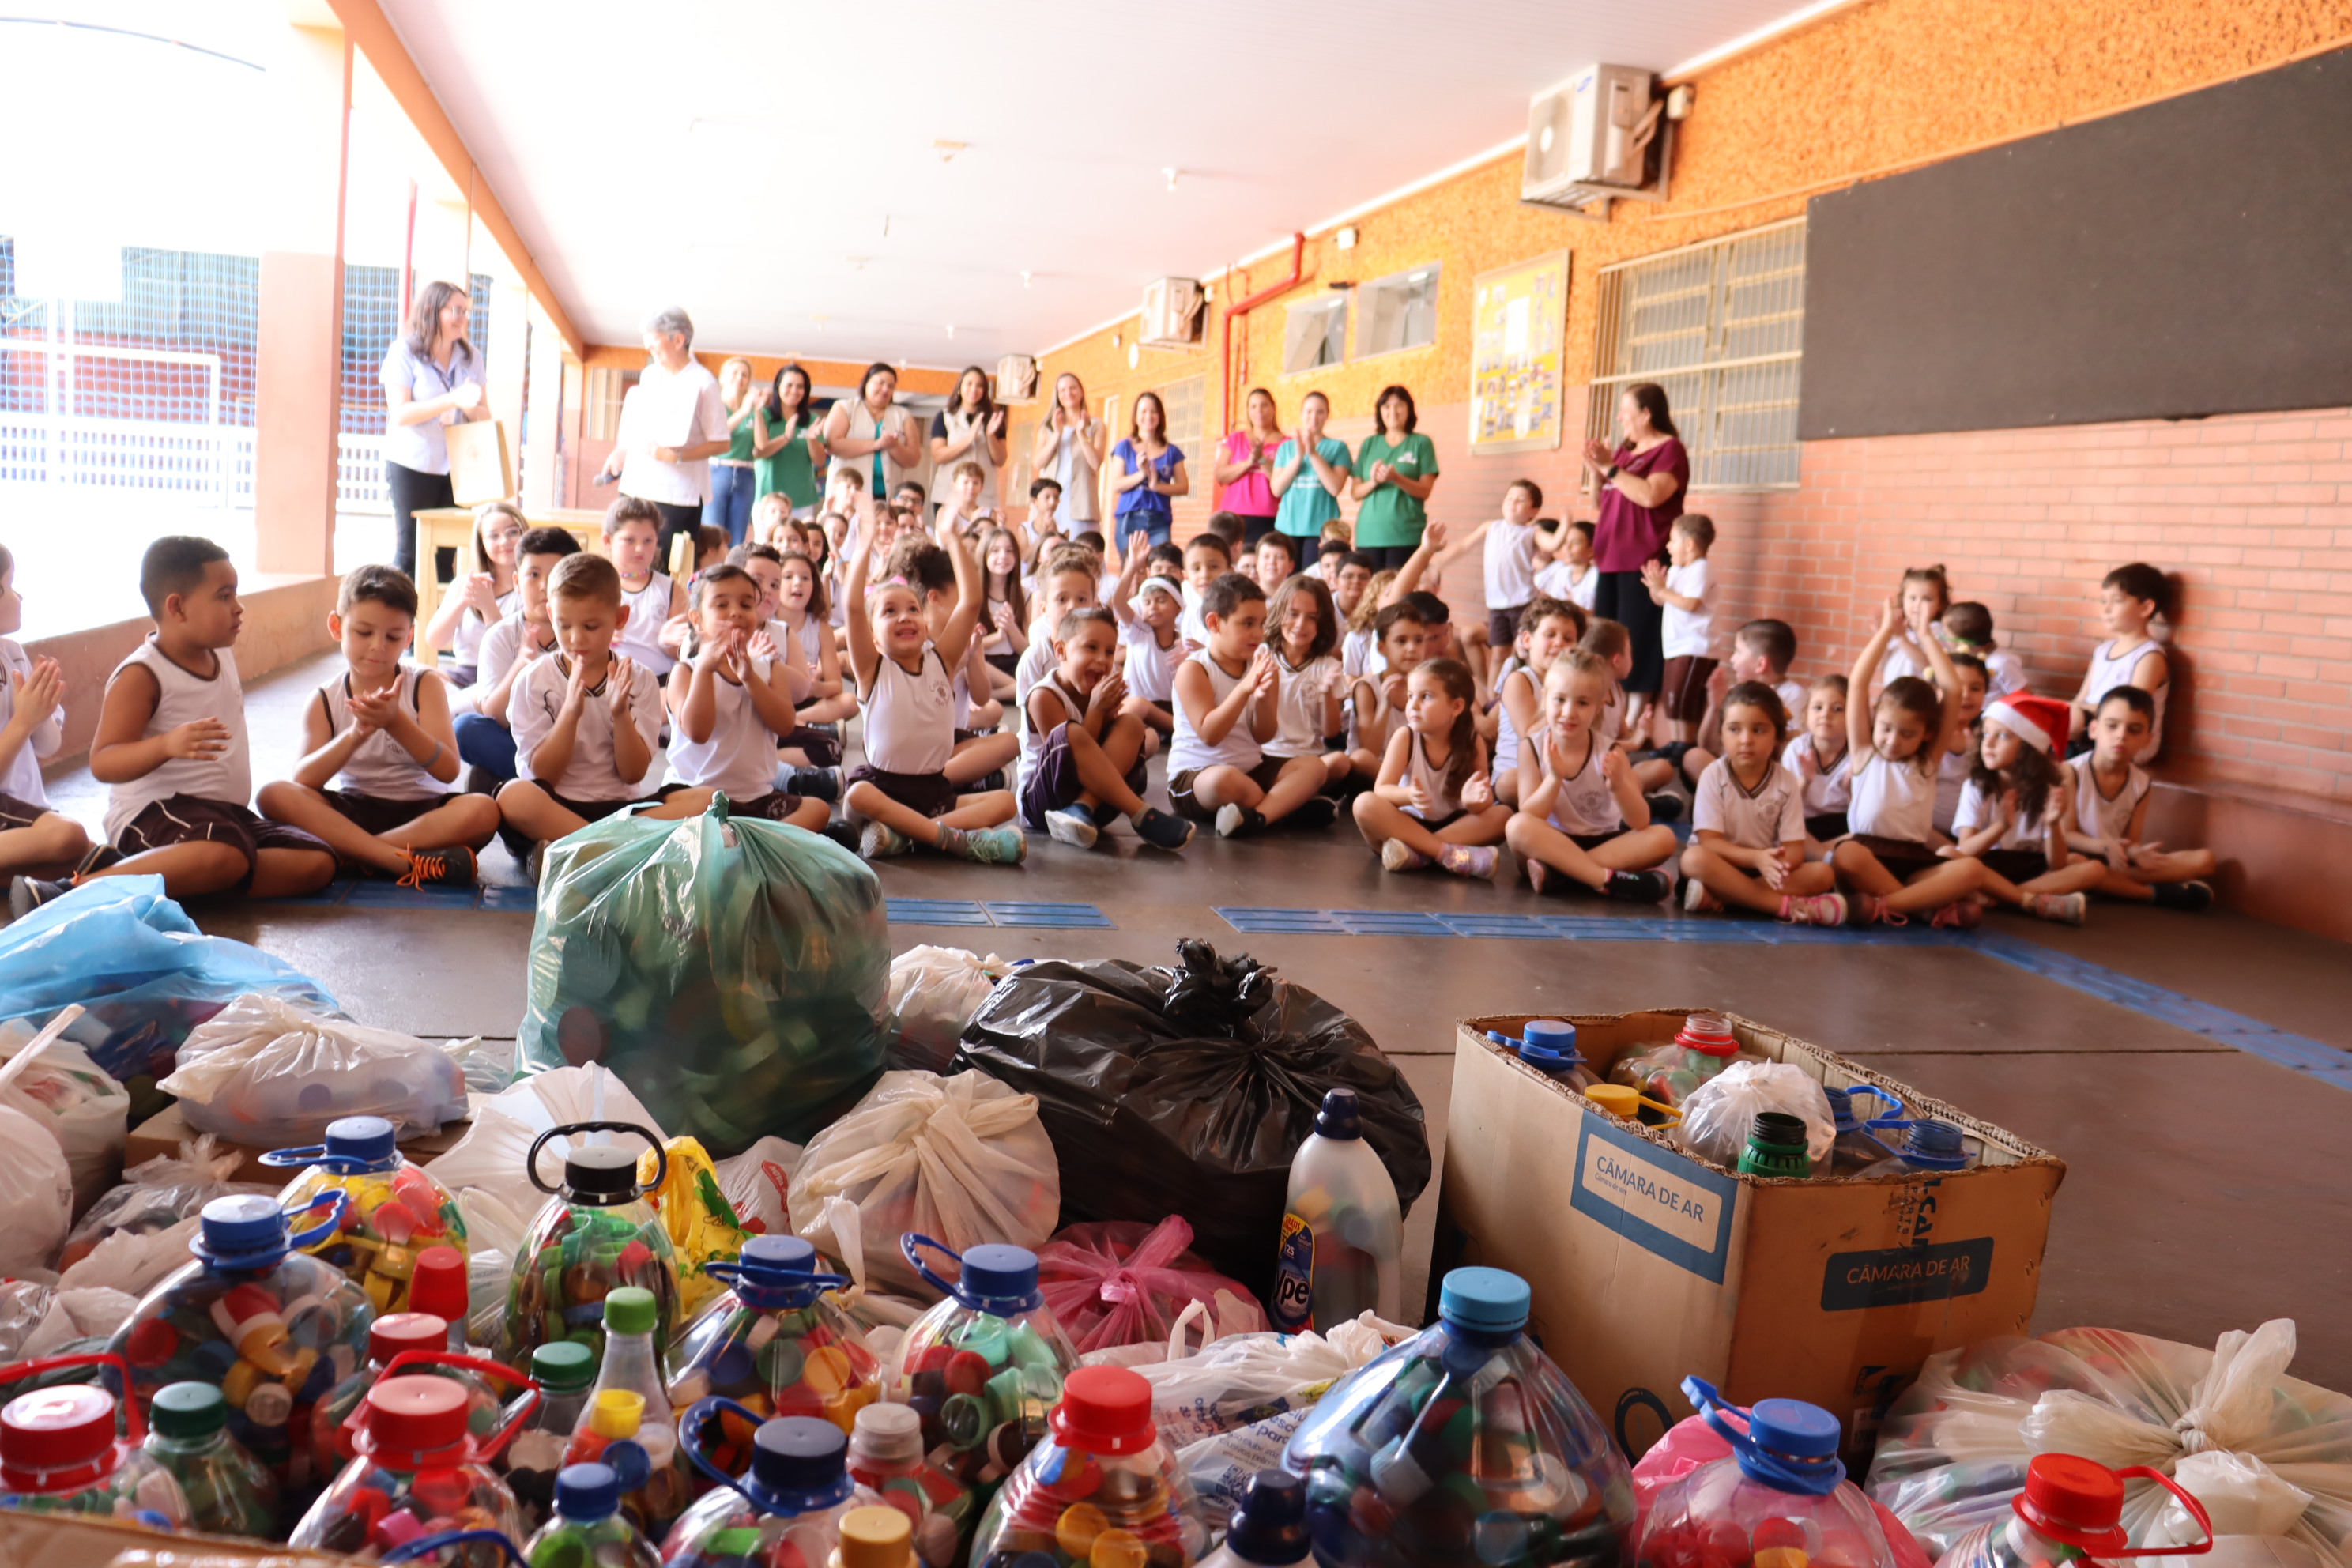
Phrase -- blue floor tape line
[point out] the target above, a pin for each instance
(1024, 913)
(935, 912)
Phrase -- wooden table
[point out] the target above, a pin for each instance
(452, 528)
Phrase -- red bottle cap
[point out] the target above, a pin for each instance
(1105, 1410)
(397, 1332)
(1707, 1034)
(57, 1438)
(438, 1286)
(2074, 1501)
(418, 1415)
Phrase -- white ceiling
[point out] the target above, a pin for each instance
(734, 156)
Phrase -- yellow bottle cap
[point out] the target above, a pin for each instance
(876, 1538)
(617, 1413)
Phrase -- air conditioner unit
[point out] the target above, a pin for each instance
(1175, 313)
(1016, 379)
(1591, 138)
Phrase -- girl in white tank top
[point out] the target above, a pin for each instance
(641, 639)
(379, 766)
(910, 718)
(1441, 808)
(1895, 754)
(182, 697)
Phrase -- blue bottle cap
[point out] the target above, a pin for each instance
(1841, 1111)
(1000, 1279)
(587, 1492)
(1934, 1146)
(369, 1137)
(244, 1231)
(799, 1463)
(1793, 1427)
(1491, 1301)
(1339, 1118)
(1270, 1527)
(1551, 1034)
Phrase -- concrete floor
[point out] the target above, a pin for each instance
(2203, 1182)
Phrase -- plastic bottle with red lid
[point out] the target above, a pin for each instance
(2071, 1508)
(389, 1337)
(1102, 1489)
(421, 1469)
(1700, 1050)
(395, 1209)
(61, 1452)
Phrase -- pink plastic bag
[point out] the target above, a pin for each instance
(1120, 1282)
(1691, 1443)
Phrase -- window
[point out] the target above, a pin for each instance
(1398, 312)
(1721, 326)
(1317, 336)
(607, 386)
(1185, 402)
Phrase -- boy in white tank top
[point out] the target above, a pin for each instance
(1228, 705)
(734, 698)
(2129, 598)
(171, 741)
(2111, 795)
(633, 539)
(378, 753)
(1082, 744)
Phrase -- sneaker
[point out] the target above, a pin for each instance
(814, 783)
(451, 868)
(1665, 806)
(1699, 901)
(1872, 911)
(987, 782)
(1320, 811)
(1817, 910)
(27, 894)
(1234, 820)
(1399, 856)
(2066, 909)
(1006, 846)
(880, 841)
(1475, 861)
(1073, 824)
(2193, 897)
(1961, 914)
(1163, 829)
(534, 860)
(1639, 886)
(841, 833)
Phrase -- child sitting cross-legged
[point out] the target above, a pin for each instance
(587, 719)
(1376, 701)
(982, 746)
(1549, 628)
(2012, 812)
(1435, 799)
(2110, 811)
(733, 697)
(1819, 757)
(902, 790)
(1302, 629)
(1082, 743)
(1147, 630)
(1582, 817)
(1228, 702)
(379, 755)
(1749, 823)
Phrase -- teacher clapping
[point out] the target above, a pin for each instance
(1642, 480)
(673, 423)
(872, 435)
(432, 379)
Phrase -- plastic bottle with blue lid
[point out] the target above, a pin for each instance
(984, 1366)
(776, 1341)
(1341, 1250)
(395, 1211)
(785, 1511)
(1548, 1046)
(1269, 1526)
(1464, 1443)
(59, 1452)
(1781, 1492)
(1859, 1144)
(587, 1528)
(1929, 1149)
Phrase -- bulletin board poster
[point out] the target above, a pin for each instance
(1518, 321)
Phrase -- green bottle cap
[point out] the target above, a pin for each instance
(564, 1367)
(629, 1310)
(1775, 1147)
(188, 1410)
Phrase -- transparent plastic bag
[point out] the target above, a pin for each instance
(490, 1156)
(963, 1159)
(758, 1184)
(934, 992)
(1953, 1451)
(1236, 1382)
(265, 1072)
(139, 1232)
(81, 1104)
(1118, 1282)
(35, 1193)
(1720, 1113)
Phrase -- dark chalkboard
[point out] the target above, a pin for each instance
(2187, 258)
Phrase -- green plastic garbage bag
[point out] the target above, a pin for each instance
(733, 972)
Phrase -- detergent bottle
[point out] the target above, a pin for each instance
(1342, 1245)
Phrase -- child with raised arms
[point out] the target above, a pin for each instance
(1228, 697)
(1509, 560)
(34, 840)
(2110, 819)
(1434, 797)
(733, 697)
(981, 747)
(1310, 718)
(1582, 817)
(1926, 594)
(1748, 823)
(378, 753)
(1082, 743)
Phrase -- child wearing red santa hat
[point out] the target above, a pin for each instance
(2015, 807)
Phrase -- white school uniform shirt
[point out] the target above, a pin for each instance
(910, 718)
(1585, 805)
(1510, 564)
(1150, 668)
(1506, 735)
(379, 766)
(1771, 814)
(1300, 701)
(1187, 752)
(1418, 770)
(670, 408)
(740, 757)
(800, 646)
(1831, 789)
(1036, 663)
(641, 639)
(1611, 722)
(1033, 740)
(1686, 634)
(1193, 626)
(1559, 581)
(466, 648)
(2110, 670)
(1892, 800)
(591, 773)
(501, 646)
(180, 698)
(1793, 694)
(1952, 771)
(2095, 814)
(1903, 657)
(2004, 673)
(1357, 653)
(1977, 808)
(23, 780)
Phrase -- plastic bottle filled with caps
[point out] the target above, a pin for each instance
(1100, 1492)
(596, 1233)
(420, 1471)
(229, 1491)
(785, 1512)
(394, 1213)
(775, 1340)
(587, 1528)
(60, 1453)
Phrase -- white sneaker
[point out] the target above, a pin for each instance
(1399, 856)
(1072, 826)
(2066, 909)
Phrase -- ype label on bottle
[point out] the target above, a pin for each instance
(1293, 1306)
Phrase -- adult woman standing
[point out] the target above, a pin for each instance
(971, 428)
(786, 450)
(1311, 473)
(1245, 468)
(872, 435)
(1642, 480)
(1396, 468)
(729, 510)
(1069, 450)
(432, 379)
(1150, 472)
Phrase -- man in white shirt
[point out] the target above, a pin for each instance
(673, 423)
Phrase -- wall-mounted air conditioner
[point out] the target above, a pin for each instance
(1594, 138)
(1175, 313)
(1016, 379)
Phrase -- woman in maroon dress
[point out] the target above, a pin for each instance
(1641, 481)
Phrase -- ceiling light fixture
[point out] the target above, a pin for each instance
(1172, 175)
(950, 328)
(1024, 277)
(946, 148)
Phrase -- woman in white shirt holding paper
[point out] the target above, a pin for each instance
(673, 423)
(432, 379)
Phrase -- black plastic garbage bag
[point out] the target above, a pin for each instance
(1187, 1092)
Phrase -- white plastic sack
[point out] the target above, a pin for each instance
(87, 1112)
(1720, 1113)
(934, 992)
(838, 1233)
(962, 1160)
(132, 1260)
(1231, 1381)
(264, 1072)
(493, 1232)
(1220, 1466)
(490, 1155)
(36, 1193)
(758, 1184)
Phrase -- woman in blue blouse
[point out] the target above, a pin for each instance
(1150, 473)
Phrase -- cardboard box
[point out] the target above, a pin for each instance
(90, 1540)
(1648, 1265)
(163, 1132)
(479, 467)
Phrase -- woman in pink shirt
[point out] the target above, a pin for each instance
(1245, 462)
(1641, 479)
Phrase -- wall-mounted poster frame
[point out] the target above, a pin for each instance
(1517, 374)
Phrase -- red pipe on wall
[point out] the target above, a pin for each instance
(1226, 356)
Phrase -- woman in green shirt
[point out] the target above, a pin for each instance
(786, 452)
(1395, 471)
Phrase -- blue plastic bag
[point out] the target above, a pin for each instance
(147, 976)
(734, 973)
